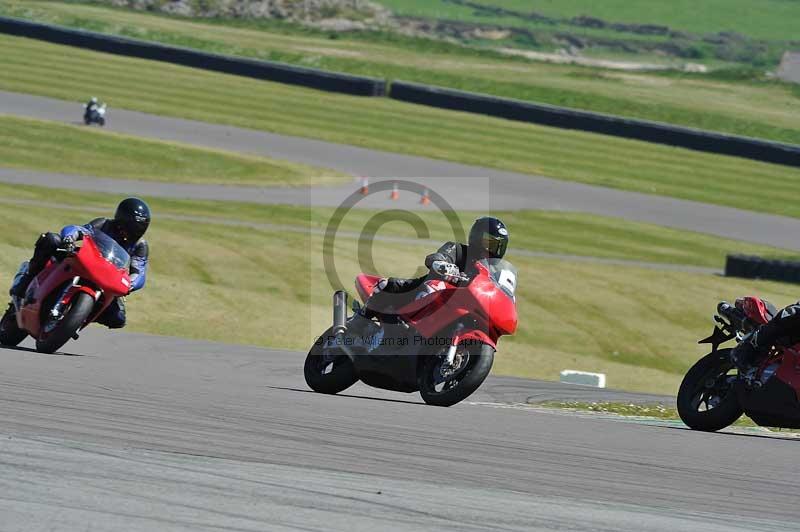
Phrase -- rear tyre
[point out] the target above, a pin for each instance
(10, 333)
(328, 370)
(706, 399)
(441, 386)
(74, 317)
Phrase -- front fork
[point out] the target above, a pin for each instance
(453, 349)
(62, 301)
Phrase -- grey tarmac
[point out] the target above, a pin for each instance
(464, 187)
(128, 431)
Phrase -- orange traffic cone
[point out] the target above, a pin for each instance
(426, 197)
(364, 186)
(395, 193)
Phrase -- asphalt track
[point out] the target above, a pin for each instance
(464, 187)
(136, 432)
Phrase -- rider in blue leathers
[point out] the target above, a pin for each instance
(127, 228)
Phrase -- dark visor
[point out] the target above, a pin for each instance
(496, 246)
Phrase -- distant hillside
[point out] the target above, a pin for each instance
(683, 34)
(752, 32)
(339, 14)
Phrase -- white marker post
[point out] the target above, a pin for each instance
(583, 378)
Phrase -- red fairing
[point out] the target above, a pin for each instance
(365, 284)
(492, 309)
(96, 277)
(789, 370)
(476, 335)
(754, 309)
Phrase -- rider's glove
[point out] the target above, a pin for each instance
(448, 271)
(68, 244)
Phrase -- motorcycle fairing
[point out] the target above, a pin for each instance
(87, 263)
(777, 402)
(365, 285)
(756, 309)
(493, 311)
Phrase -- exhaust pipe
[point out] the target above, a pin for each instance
(339, 312)
(340, 322)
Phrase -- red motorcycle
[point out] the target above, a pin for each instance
(70, 293)
(442, 344)
(714, 394)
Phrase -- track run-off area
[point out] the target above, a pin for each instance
(136, 432)
(463, 187)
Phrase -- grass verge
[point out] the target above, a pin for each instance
(654, 411)
(265, 285)
(555, 232)
(30, 66)
(756, 106)
(55, 147)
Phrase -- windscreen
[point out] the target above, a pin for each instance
(503, 273)
(111, 251)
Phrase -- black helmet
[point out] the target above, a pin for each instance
(132, 219)
(488, 238)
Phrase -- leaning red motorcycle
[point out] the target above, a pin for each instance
(714, 394)
(71, 292)
(441, 344)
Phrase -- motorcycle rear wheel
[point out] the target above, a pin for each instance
(707, 382)
(75, 316)
(463, 382)
(329, 375)
(10, 333)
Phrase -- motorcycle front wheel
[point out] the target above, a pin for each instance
(706, 399)
(328, 370)
(441, 384)
(57, 333)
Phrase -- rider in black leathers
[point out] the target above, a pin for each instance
(488, 238)
(783, 330)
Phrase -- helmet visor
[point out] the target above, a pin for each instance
(494, 246)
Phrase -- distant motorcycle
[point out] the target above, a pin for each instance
(94, 114)
(714, 394)
(70, 293)
(441, 345)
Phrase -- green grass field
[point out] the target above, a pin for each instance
(757, 108)
(30, 66)
(655, 411)
(639, 326)
(61, 148)
(767, 19)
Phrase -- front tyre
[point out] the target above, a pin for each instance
(57, 333)
(328, 370)
(10, 333)
(444, 385)
(706, 399)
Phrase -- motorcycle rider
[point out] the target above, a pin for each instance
(127, 228)
(783, 330)
(488, 238)
(90, 106)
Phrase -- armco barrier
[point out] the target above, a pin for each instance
(760, 150)
(750, 267)
(252, 68)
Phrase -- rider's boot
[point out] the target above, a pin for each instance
(359, 323)
(21, 285)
